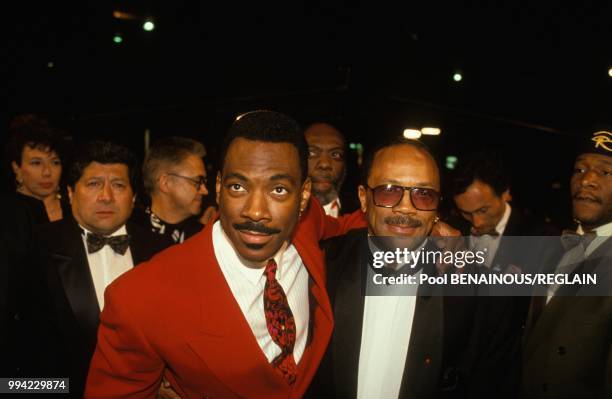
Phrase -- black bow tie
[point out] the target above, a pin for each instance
(96, 242)
(569, 239)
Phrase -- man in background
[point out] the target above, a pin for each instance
(567, 346)
(72, 261)
(327, 168)
(175, 179)
(481, 191)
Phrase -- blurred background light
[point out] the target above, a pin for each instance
(457, 77)
(117, 39)
(412, 133)
(148, 26)
(451, 162)
(431, 131)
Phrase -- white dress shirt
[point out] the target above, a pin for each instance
(491, 243)
(385, 336)
(333, 208)
(106, 265)
(247, 285)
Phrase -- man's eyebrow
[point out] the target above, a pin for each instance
(235, 175)
(283, 176)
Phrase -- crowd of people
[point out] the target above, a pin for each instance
(263, 295)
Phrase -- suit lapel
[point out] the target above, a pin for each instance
(70, 262)
(424, 358)
(348, 311)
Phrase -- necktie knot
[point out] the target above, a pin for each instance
(96, 242)
(270, 270)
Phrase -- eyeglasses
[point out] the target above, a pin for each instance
(198, 182)
(389, 195)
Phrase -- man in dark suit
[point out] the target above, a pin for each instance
(327, 169)
(399, 345)
(481, 192)
(239, 309)
(567, 346)
(73, 260)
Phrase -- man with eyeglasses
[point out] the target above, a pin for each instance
(395, 344)
(175, 179)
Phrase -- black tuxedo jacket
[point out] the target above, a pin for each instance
(15, 235)
(58, 307)
(454, 343)
(567, 346)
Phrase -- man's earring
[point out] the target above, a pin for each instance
(436, 220)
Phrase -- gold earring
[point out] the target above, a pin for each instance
(436, 220)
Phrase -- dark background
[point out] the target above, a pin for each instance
(535, 75)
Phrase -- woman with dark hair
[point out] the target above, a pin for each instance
(35, 157)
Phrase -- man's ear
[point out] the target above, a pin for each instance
(218, 187)
(162, 183)
(506, 196)
(362, 193)
(70, 194)
(306, 191)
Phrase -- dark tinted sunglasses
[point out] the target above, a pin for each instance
(389, 195)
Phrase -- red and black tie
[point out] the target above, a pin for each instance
(280, 323)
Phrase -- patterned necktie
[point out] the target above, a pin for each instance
(280, 323)
(96, 242)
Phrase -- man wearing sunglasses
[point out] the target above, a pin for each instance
(398, 345)
(175, 178)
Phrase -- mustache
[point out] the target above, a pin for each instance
(256, 227)
(403, 220)
(324, 177)
(587, 195)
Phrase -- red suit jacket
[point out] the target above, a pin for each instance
(176, 315)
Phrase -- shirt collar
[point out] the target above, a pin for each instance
(252, 271)
(501, 225)
(120, 231)
(601, 231)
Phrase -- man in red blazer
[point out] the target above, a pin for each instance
(240, 309)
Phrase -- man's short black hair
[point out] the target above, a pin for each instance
(104, 152)
(369, 160)
(488, 168)
(33, 131)
(271, 127)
